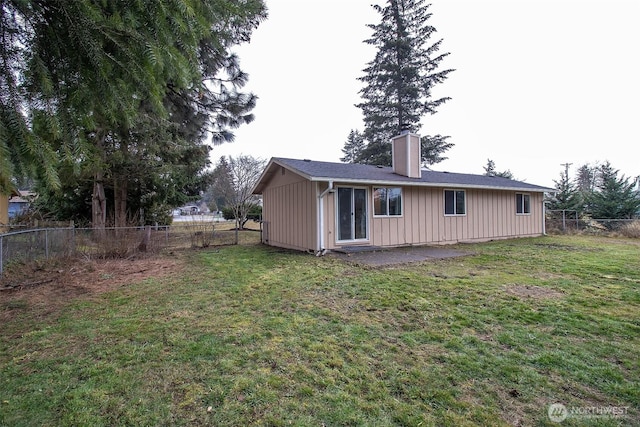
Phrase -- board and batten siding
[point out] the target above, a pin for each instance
(4, 212)
(490, 214)
(289, 210)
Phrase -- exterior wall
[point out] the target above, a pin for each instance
(4, 211)
(490, 214)
(289, 210)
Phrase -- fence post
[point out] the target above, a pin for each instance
(46, 243)
(73, 240)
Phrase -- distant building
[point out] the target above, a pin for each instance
(4, 208)
(20, 203)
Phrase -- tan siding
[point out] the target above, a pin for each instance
(401, 232)
(330, 232)
(490, 215)
(4, 211)
(289, 210)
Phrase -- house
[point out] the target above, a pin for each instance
(318, 206)
(19, 203)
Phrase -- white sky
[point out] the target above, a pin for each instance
(537, 83)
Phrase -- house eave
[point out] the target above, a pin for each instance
(339, 181)
(405, 182)
(268, 172)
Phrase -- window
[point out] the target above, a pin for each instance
(387, 201)
(454, 202)
(523, 204)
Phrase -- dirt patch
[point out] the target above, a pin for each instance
(532, 291)
(49, 286)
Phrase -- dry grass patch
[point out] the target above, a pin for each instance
(43, 288)
(533, 291)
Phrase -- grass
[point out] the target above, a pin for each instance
(250, 335)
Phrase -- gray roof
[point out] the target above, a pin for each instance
(369, 174)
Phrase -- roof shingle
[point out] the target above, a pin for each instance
(369, 174)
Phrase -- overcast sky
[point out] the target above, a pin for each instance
(537, 83)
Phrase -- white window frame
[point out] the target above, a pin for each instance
(522, 205)
(455, 202)
(387, 215)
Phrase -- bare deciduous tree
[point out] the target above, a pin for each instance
(244, 172)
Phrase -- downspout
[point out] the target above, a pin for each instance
(544, 217)
(320, 249)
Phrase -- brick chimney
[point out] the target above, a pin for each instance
(405, 154)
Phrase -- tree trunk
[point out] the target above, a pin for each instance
(120, 188)
(146, 239)
(98, 202)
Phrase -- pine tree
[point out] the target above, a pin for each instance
(103, 78)
(399, 80)
(490, 170)
(219, 193)
(567, 196)
(614, 198)
(585, 181)
(353, 147)
(433, 147)
(586, 178)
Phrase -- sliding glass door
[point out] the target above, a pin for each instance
(352, 213)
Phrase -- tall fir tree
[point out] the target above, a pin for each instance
(433, 147)
(399, 81)
(108, 86)
(615, 197)
(490, 170)
(585, 181)
(353, 147)
(567, 196)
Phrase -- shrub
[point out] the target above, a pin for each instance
(254, 213)
(631, 229)
(228, 214)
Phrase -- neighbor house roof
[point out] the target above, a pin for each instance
(22, 197)
(380, 175)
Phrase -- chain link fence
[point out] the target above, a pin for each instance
(569, 221)
(46, 243)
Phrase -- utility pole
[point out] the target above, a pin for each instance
(566, 169)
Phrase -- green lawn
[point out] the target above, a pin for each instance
(250, 335)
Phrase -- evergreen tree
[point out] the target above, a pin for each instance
(614, 198)
(218, 193)
(399, 80)
(585, 181)
(586, 178)
(97, 80)
(433, 147)
(490, 170)
(353, 147)
(566, 197)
